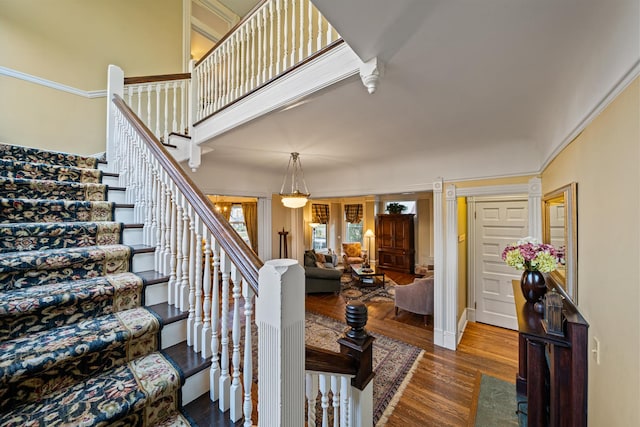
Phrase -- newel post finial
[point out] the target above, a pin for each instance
(358, 344)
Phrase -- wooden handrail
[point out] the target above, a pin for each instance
(158, 78)
(245, 260)
(231, 31)
(322, 360)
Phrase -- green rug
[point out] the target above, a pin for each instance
(497, 403)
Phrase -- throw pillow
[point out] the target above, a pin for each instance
(309, 259)
(320, 258)
(320, 265)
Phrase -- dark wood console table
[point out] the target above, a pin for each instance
(552, 371)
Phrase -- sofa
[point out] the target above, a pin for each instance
(321, 272)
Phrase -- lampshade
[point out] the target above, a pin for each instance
(368, 233)
(294, 190)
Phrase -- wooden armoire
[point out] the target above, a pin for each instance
(395, 242)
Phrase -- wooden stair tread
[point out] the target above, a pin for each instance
(189, 361)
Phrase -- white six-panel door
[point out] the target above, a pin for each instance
(497, 223)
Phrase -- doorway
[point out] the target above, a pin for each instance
(495, 223)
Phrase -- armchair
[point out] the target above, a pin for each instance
(416, 297)
(352, 253)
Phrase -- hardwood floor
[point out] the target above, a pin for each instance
(441, 392)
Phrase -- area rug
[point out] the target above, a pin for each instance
(351, 290)
(496, 403)
(394, 362)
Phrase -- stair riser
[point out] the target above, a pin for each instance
(124, 215)
(143, 262)
(117, 196)
(132, 236)
(174, 333)
(111, 180)
(155, 294)
(195, 386)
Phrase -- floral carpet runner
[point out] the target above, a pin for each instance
(76, 346)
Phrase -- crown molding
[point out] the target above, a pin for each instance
(4, 71)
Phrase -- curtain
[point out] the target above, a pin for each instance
(353, 213)
(250, 212)
(320, 213)
(225, 209)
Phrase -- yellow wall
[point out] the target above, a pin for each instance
(462, 255)
(72, 42)
(604, 160)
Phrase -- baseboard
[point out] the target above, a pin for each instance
(450, 340)
(438, 337)
(462, 324)
(471, 314)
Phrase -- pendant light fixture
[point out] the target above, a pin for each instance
(294, 190)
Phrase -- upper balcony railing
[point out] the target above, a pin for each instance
(273, 39)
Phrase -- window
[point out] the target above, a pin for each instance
(236, 219)
(354, 232)
(353, 217)
(319, 237)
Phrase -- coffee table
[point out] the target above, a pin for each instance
(366, 277)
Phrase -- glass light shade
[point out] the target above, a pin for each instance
(294, 200)
(368, 233)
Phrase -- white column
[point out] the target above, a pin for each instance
(361, 409)
(264, 228)
(535, 208)
(280, 319)
(451, 272)
(438, 262)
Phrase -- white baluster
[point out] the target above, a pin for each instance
(263, 44)
(301, 41)
(345, 389)
(236, 389)
(329, 32)
(174, 123)
(228, 79)
(192, 276)
(285, 29)
(244, 57)
(164, 136)
(319, 36)
(214, 374)
(247, 294)
(149, 91)
(205, 338)
(324, 398)
(292, 61)
(139, 109)
(183, 106)
(271, 56)
(223, 398)
(159, 208)
(197, 325)
(254, 38)
(310, 35)
(173, 252)
(279, 46)
(179, 250)
(335, 390)
(184, 284)
(157, 132)
(311, 386)
(167, 238)
(148, 212)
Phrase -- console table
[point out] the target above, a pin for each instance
(552, 370)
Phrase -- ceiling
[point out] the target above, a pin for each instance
(470, 90)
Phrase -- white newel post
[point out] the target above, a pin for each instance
(280, 319)
(115, 86)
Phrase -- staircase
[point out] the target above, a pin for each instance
(79, 344)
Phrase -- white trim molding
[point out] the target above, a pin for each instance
(535, 208)
(438, 262)
(4, 71)
(451, 274)
(462, 323)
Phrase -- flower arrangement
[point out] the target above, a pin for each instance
(531, 255)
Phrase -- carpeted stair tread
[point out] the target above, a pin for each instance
(19, 188)
(35, 210)
(38, 308)
(141, 393)
(30, 170)
(36, 155)
(50, 360)
(51, 235)
(34, 268)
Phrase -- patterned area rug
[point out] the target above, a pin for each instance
(394, 362)
(351, 290)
